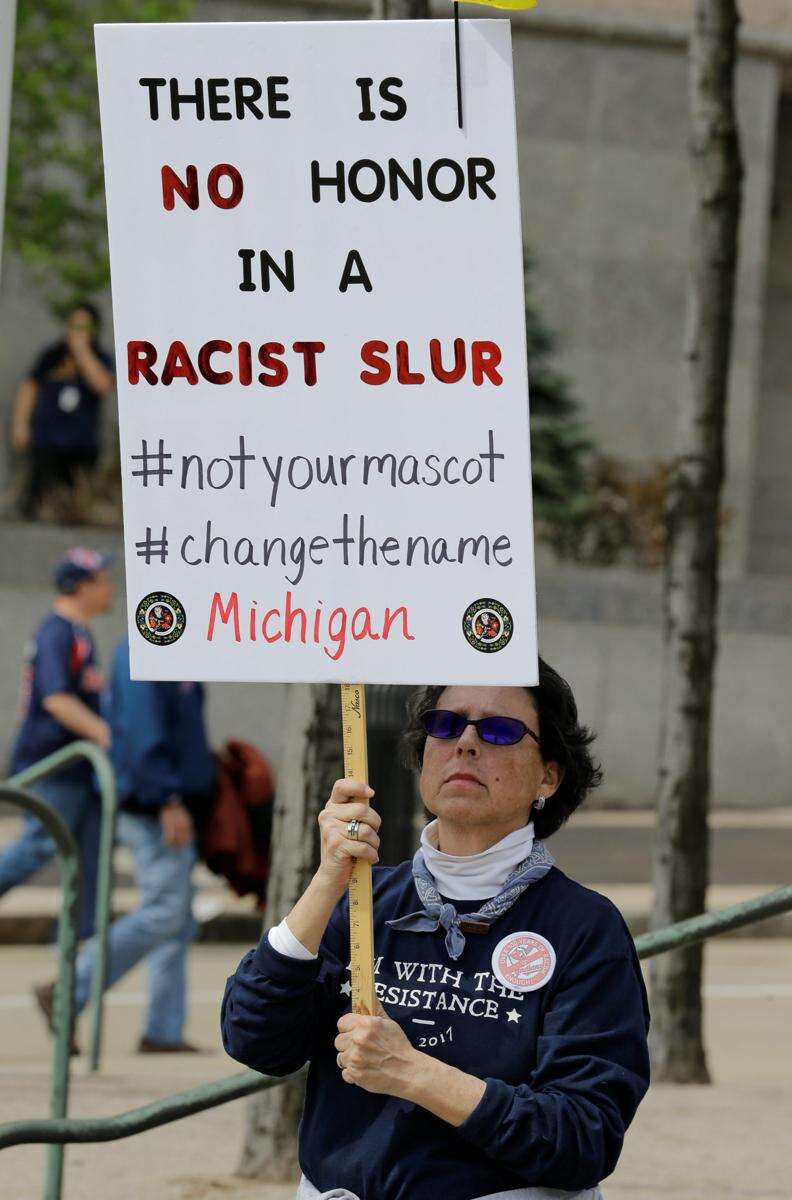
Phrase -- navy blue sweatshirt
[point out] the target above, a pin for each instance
(159, 748)
(565, 1065)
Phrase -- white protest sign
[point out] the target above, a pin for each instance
(318, 302)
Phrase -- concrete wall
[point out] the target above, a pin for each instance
(606, 196)
(602, 630)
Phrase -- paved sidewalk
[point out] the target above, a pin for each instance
(610, 850)
(725, 1142)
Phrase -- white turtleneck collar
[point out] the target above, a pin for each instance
(475, 876)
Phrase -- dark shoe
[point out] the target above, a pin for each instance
(45, 998)
(147, 1046)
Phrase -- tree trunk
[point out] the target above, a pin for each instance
(312, 762)
(692, 515)
(396, 796)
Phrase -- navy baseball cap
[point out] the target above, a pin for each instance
(77, 564)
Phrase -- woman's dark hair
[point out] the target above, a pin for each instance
(54, 355)
(562, 740)
(90, 308)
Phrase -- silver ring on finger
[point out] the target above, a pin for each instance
(353, 827)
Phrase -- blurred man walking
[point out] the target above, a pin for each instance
(61, 697)
(163, 767)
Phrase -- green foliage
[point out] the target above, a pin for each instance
(561, 447)
(55, 217)
(589, 507)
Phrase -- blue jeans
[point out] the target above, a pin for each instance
(78, 805)
(160, 929)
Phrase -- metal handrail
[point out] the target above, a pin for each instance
(67, 954)
(208, 1095)
(697, 929)
(138, 1120)
(104, 878)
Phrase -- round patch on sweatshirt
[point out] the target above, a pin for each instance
(523, 961)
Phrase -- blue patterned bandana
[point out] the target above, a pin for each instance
(440, 914)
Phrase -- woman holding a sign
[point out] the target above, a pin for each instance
(509, 1054)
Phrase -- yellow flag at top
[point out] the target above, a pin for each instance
(505, 3)
(514, 4)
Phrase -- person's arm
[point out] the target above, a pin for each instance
(300, 933)
(144, 740)
(73, 714)
(376, 1054)
(277, 1009)
(24, 405)
(55, 685)
(277, 1006)
(153, 775)
(176, 822)
(89, 365)
(565, 1128)
(348, 799)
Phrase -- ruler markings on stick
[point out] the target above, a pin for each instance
(361, 908)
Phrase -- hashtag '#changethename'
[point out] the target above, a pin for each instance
(152, 547)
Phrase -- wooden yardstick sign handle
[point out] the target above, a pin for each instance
(361, 908)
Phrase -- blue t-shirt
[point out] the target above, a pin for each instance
(66, 416)
(62, 658)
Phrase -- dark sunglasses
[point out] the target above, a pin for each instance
(497, 731)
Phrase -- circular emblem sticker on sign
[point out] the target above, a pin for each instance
(523, 961)
(487, 625)
(160, 618)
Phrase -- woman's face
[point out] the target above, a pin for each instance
(80, 321)
(465, 781)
